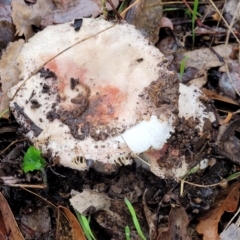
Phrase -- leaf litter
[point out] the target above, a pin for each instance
(187, 146)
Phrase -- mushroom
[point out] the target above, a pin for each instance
(99, 95)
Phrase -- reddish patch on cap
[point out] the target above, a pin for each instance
(105, 102)
(64, 70)
(106, 105)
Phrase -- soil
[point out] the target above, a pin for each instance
(129, 181)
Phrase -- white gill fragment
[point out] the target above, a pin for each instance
(99, 95)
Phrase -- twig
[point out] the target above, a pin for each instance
(129, 7)
(12, 144)
(115, 10)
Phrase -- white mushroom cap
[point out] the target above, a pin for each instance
(101, 104)
(103, 93)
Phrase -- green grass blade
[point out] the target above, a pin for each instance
(85, 226)
(182, 66)
(194, 16)
(127, 232)
(233, 176)
(134, 218)
(123, 6)
(3, 112)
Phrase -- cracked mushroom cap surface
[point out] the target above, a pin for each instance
(100, 94)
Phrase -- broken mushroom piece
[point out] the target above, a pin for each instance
(98, 95)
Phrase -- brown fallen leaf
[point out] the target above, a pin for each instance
(67, 225)
(76, 228)
(204, 58)
(178, 222)
(3, 230)
(9, 220)
(36, 224)
(79, 9)
(215, 96)
(228, 202)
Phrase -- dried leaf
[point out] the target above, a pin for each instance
(178, 222)
(208, 225)
(82, 202)
(9, 72)
(3, 230)
(232, 232)
(229, 82)
(6, 27)
(36, 224)
(146, 16)
(9, 220)
(230, 7)
(213, 95)
(25, 16)
(80, 9)
(151, 219)
(204, 58)
(5, 12)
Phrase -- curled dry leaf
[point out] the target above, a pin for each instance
(208, 225)
(101, 94)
